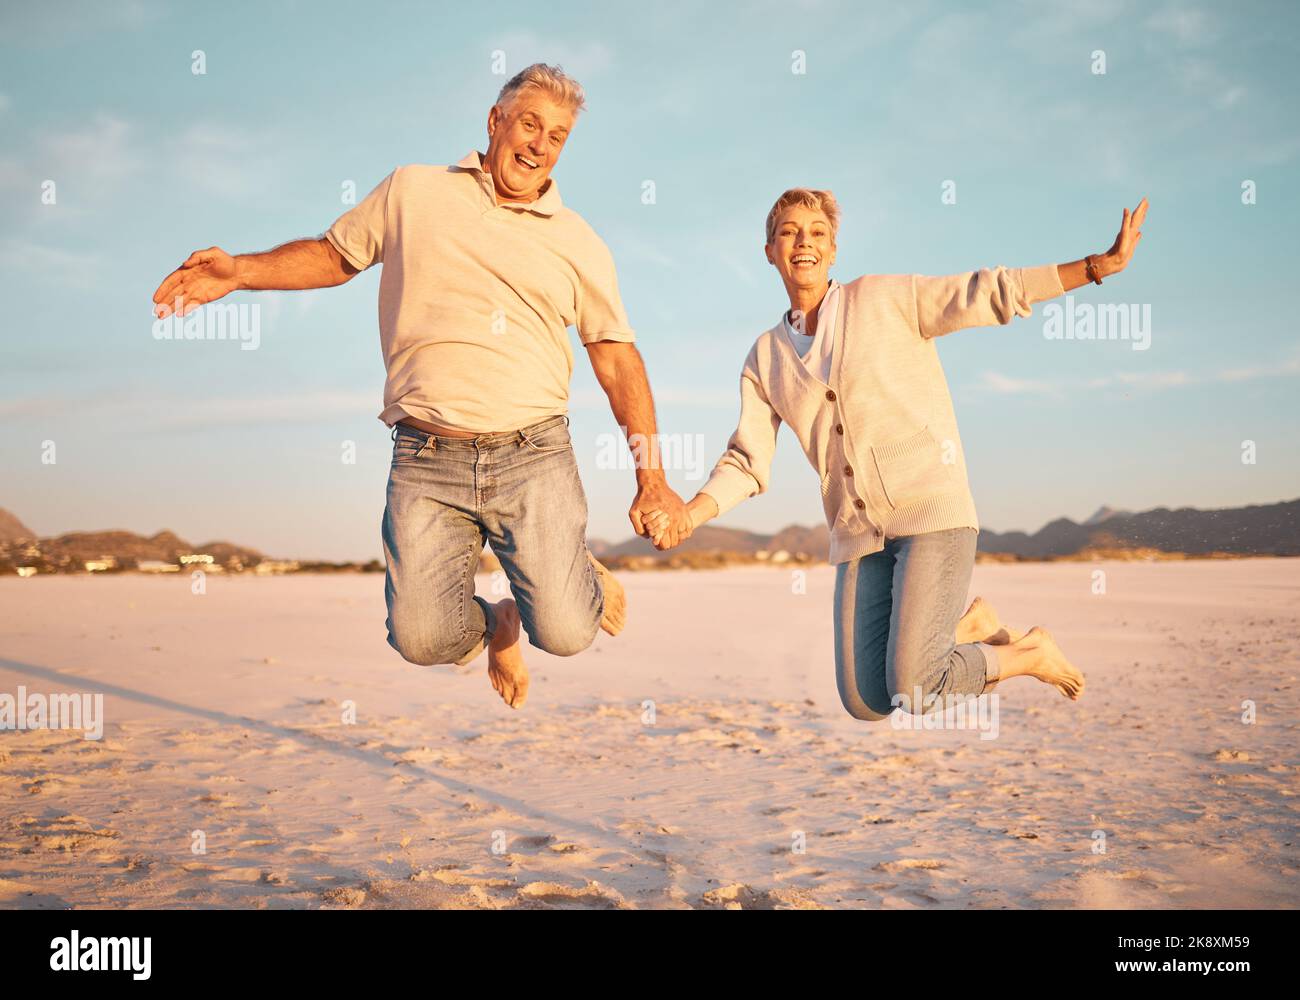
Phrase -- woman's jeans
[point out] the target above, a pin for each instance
(896, 615)
(518, 490)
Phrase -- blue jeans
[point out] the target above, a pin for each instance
(896, 615)
(518, 490)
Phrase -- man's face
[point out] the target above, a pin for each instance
(525, 141)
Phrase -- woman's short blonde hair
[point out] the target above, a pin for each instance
(819, 201)
(550, 80)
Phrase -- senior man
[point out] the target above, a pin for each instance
(484, 271)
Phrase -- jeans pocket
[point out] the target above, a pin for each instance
(410, 448)
(547, 441)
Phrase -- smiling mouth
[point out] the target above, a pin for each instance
(803, 260)
(525, 162)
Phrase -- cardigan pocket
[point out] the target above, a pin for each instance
(912, 469)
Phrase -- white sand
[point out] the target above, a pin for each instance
(223, 715)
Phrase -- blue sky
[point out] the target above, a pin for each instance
(151, 162)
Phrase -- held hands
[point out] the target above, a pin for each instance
(205, 276)
(666, 533)
(1117, 257)
(655, 496)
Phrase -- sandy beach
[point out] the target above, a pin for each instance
(699, 760)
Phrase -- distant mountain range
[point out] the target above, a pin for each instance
(1263, 529)
(20, 546)
(796, 539)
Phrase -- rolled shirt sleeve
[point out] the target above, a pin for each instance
(599, 310)
(358, 234)
(745, 468)
(988, 297)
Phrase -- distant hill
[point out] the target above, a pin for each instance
(12, 529)
(1105, 513)
(812, 542)
(1264, 529)
(1268, 529)
(128, 549)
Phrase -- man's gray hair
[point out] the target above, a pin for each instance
(551, 80)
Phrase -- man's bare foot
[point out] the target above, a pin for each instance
(506, 669)
(615, 616)
(1050, 665)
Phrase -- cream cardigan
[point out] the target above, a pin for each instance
(882, 433)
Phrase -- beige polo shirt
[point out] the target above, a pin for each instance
(476, 297)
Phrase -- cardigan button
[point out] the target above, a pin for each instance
(861, 505)
(839, 428)
(848, 470)
(830, 394)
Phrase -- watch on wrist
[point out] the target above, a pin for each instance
(1090, 268)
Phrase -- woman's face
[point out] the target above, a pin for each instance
(802, 249)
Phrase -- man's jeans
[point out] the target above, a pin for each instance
(896, 614)
(518, 490)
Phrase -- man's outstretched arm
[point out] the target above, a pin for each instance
(621, 373)
(209, 274)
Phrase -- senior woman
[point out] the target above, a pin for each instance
(854, 371)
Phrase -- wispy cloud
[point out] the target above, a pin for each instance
(86, 164)
(1187, 26)
(1007, 386)
(1000, 384)
(60, 21)
(579, 59)
(665, 395)
(75, 268)
(145, 411)
(231, 161)
(93, 165)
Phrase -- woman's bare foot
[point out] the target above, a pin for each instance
(1049, 664)
(615, 616)
(981, 623)
(506, 669)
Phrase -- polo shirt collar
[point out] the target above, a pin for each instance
(547, 204)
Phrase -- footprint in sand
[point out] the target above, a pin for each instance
(342, 897)
(68, 832)
(739, 896)
(593, 895)
(908, 864)
(20, 896)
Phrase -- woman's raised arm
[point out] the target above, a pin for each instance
(996, 295)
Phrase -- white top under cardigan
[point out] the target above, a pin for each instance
(815, 349)
(880, 431)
